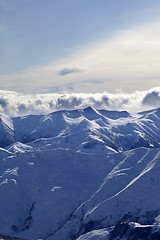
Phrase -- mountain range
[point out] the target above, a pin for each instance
(84, 174)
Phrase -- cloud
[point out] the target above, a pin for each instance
(95, 81)
(66, 71)
(16, 104)
(152, 98)
(130, 58)
(3, 103)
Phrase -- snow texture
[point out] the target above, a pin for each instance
(82, 174)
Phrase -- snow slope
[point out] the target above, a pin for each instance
(87, 130)
(82, 174)
(6, 130)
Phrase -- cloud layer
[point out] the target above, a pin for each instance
(16, 104)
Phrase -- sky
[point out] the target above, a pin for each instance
(79, 46)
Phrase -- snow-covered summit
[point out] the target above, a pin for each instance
(85, 130)
(81, 174)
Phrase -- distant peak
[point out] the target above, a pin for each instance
(89, 109)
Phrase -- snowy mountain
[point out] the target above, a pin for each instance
(6, 130)
(81, 174)
(87, 130)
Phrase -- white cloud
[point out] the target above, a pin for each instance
(152, 98)
(129, 59)
(16, 104)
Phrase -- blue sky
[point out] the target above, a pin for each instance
(79, 45)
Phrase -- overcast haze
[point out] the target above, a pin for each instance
(79, 45)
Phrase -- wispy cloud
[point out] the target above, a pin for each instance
(94, 81)
(66, 71)
(129, 57)
(16, 104)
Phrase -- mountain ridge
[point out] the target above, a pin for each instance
(80, 175)
(109, 130)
